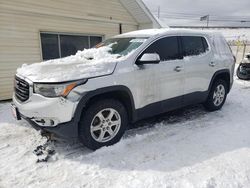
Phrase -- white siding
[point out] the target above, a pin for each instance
(22, 20)
(146, 26)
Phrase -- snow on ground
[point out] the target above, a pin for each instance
(235, 34)
(186, 148)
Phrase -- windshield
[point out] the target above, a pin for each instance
(122, 46)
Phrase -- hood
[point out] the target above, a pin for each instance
(85, 64)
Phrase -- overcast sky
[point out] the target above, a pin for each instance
(188, 12)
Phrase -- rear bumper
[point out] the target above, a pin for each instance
(65, 130)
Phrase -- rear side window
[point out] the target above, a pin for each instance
(220, 45)
(167, 48)
(194, 45)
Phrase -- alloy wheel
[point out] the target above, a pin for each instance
(219, 95)
(105, 125)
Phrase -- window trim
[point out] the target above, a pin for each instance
(203, 43)
(65, 33)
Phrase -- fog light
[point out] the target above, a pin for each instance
(45, 122)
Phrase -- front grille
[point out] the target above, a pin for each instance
(21, 89)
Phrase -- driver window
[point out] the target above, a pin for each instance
(167, 48)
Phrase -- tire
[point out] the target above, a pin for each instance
(217, 95)
(96, 129)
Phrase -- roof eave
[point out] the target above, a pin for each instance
(154, 20)
(149, 17)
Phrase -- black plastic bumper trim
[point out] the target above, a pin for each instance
(64, 130)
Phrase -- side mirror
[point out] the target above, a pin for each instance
(149, 59)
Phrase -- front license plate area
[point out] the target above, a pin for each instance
(15, 112)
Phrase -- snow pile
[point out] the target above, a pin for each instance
(190, 148)
(146, 32)
(190, 57)
(87, 63)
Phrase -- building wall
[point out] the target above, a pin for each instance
(22, 20)
(146, 26)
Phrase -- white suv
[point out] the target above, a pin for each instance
(97, 93)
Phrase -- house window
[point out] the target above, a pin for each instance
(62, 45)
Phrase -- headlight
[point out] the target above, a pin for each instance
(56, 90)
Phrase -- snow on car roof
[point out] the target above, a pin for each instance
(163, 31)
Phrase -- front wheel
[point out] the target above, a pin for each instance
(217, 96)
(103, 124)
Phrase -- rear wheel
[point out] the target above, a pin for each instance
(217, 96)
(103, 123)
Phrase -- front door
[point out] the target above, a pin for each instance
(162, 84)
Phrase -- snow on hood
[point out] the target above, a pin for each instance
(84, 64)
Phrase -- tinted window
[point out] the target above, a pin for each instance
(123, 46)
(50, 48)
(167, 48)
(71, 44)
(193, 45)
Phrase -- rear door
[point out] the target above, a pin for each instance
(199, 67)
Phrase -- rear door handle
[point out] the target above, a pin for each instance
(178, 69)
(212, 64)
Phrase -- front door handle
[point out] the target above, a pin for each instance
(178, 69)
(212, 64)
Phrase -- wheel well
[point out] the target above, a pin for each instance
(121, 96)
(223, 76)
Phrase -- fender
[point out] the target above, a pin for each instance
(102, 91)
(216, 74)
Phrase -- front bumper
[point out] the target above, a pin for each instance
(64, 130)
(47, 112)
(54, 115)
